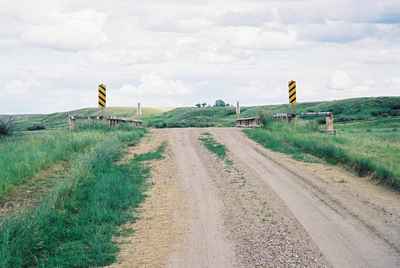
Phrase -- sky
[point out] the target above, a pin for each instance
(168, 53)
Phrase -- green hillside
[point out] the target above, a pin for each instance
(59, 120)
(344, 110)
(348, 110)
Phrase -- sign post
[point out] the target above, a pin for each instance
(102, 96)
(292, 95)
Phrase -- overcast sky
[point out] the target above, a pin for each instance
(54, 53)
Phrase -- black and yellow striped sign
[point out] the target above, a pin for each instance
(292, 92)
(102, 96)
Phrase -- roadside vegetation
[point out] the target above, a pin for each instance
(6, 126)
(22, 156)
(371, 148)
(74, 225)
(213, 145)
(25, 155)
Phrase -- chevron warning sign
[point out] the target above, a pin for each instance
(292, 92)
(102, 96)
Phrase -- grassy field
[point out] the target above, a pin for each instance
(75, 223)
(344, 111)
(368, 147)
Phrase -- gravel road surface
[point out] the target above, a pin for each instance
(264, 210)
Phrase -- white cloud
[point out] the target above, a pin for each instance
(20, 87)
(181, 52)
(153, 89)
(69, 31)
(340, 80)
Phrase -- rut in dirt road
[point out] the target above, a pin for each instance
(205, 244)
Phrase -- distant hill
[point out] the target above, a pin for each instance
(59, 120)
(344, 110)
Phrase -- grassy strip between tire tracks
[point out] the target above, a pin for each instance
(343, 149)
(212, 145)
(75, 225)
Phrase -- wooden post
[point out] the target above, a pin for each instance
(71, 123)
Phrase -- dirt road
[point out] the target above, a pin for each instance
(264, 210)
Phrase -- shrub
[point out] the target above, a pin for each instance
(266, 118)
(6, 126)
(36, 127)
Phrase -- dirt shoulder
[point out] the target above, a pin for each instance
(160, 224)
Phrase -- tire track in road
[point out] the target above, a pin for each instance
(205, 244)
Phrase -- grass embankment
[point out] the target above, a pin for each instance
(363, 147)
(74, 226)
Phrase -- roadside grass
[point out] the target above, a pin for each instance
(373, 153)
(74, 226)
(212, 145)
(23, 156)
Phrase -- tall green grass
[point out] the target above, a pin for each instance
(366, 153)
(75, 225)
(22, 157)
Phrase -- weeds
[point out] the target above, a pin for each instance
(74, 226)
(154, 155)
(211, 144)
(24, 156)
(6, 126)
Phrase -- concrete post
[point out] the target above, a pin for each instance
(237, 110)
(329, 124)
(139, 110)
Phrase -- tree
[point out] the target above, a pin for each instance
(198, 105)
(219, 103)
(204, 104)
